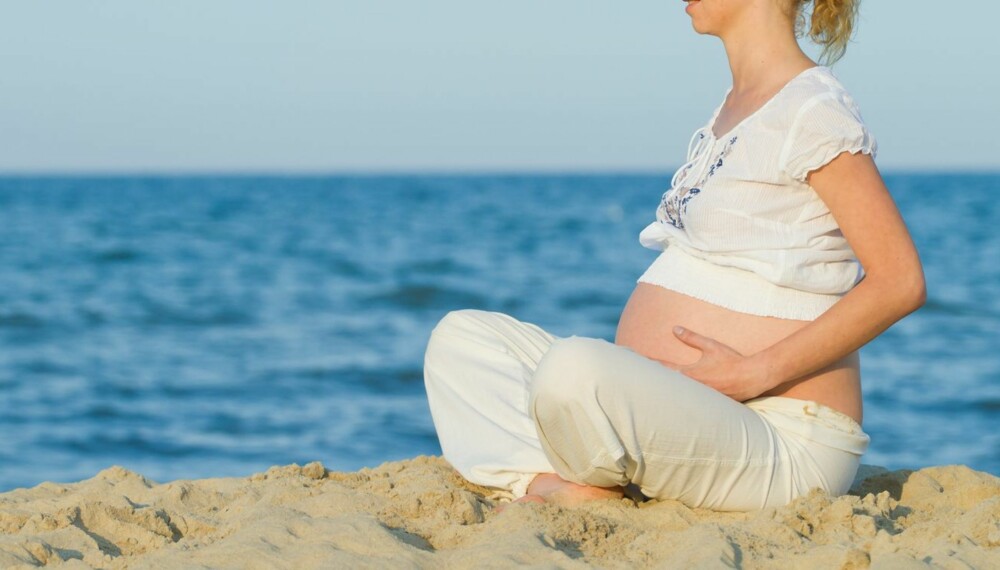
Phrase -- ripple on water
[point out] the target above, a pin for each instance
(425, 296)
(20, 320)
(116, 255)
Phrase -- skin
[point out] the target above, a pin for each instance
(746, 356)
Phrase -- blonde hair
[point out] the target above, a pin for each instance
(830, 25)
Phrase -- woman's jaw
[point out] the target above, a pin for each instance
(729, 18)
(704, 19)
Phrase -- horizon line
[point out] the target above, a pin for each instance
(416, 172)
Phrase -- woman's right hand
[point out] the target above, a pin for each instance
(721, 367)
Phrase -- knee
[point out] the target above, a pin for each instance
(571, 392)
(571, 369)
(451, 342)
(455, 324)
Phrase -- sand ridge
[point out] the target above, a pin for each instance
(419, 513)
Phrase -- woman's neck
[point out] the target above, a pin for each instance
(763, 52)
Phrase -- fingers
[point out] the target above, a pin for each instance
(691, 338)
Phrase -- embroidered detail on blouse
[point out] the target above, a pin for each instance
(674, 202)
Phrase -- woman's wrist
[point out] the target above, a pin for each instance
(766, 373)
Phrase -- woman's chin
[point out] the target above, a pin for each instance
(699, 27)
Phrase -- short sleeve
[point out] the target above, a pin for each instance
(825, 127)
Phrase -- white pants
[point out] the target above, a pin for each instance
(510, 401)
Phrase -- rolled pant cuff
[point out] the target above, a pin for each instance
(520, 487)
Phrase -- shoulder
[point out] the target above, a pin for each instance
(819, 94)
(823, 120)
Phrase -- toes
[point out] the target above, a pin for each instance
(530, 499)
(524, 499)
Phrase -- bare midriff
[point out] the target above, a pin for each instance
(646, 326)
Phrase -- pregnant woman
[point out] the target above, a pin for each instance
(734, 380)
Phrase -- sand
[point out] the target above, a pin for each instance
(420, 514)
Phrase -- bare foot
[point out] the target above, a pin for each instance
(551, 488)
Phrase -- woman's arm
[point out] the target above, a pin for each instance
(892, 288)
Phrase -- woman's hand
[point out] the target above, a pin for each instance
(721, 367)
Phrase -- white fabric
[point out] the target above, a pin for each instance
(478, 369)
(510, 401)
(742, 203)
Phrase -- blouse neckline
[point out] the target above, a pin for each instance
(759, 110)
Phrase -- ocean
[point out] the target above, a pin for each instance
(190, 327)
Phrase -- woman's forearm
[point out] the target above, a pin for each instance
(853, 190)
(870, 308)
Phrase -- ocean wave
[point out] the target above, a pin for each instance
(117, 255)
(425, 296)
(20, 320)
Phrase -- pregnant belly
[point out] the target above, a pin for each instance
(648, 319)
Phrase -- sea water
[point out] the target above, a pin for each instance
(189, 327)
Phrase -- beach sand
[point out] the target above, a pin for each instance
(419, 513)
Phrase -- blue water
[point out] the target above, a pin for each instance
(196, 327)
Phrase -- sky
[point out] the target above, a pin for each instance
(123, 86)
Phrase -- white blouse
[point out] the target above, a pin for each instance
(741, 228)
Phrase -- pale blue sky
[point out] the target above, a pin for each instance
(401, 85)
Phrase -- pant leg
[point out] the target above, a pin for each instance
(478, 370)
(608, 416)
